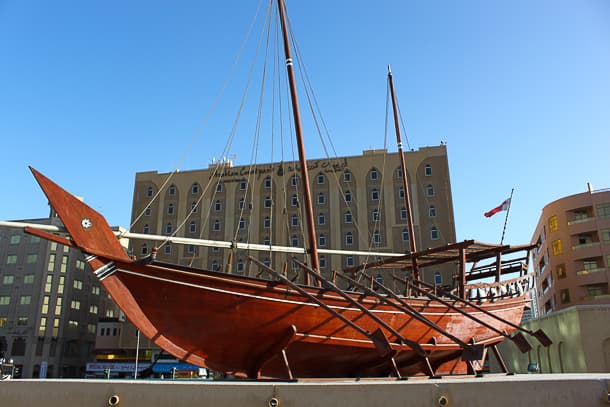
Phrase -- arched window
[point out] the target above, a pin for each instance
(170, 209)
(146, 229)
(321, 178)
(428, 170)
(432, 211)
(349, 239)
(347, 176)
(267, 182)
(373, 174)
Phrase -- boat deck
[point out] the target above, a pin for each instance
(489, 390)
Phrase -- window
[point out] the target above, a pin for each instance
(295, 241)
(322, 240)
(432, 211)
(193, 227)
(349, 261)
(403, 213)
(429, 190)
(146, 229)
(603, 210)
(241, 203)
(294, 201)
(376, 237)
(321, 219)
(434, 233)
(22, 321)
(64, 264)
(266, 241)
(95, 290)
(605, 236)
(28, 279)
(7, 280)
(168, 228)
(49, 283)
(172, 190)
(553, 223)
(147, 211)
(375, 215)
(195, 189)
(193, 207)
(170, 209)
(348, 197)
(374, 175)
(375, 194)
(242, 185)
(267, 202)
(564, 295)
(32, 259)
(557, 248)
(267, 222)
(43, 326)
(190, 249)
(5, 299)
(399, 173)
(240, 267)
(347, 176)
(322, 262)
(348, 217)
(51, 265)
(15, 239)
(58, 306)
(12, 259)
(438, 278)
(72, 324)
(561, 271)
(405, 235)
(401, 193)
(75, 304)
(267, 262)
(294, 221)
(80, 265)
(144, 249)
(321, 198)
(78, 284)
(215, 265)
(427, 170)
(349, 239)
(268, 183)
(321, 179)
(218, 206)
(219, 187)
(242, 224)
(216, 226)
(294, 180)
(149, 192)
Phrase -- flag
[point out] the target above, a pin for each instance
(502, 207)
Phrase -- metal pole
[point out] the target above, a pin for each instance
(510, 201)
(135, 373)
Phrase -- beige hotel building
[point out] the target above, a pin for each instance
(358, 205)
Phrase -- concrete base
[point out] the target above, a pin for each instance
(492, 390)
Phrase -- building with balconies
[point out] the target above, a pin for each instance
(572, 258)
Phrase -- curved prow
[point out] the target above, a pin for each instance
(88, 229)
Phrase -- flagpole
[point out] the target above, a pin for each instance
(510, 201)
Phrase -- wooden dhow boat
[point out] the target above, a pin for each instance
(271, 327)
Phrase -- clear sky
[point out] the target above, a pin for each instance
(92, 92)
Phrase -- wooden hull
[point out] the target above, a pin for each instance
(239, 325)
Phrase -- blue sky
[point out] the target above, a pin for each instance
(93, 92)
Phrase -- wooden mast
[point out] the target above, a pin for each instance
(405, 179)
(311, 229)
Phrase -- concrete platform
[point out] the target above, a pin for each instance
(520, 390)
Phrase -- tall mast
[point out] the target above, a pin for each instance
(311, 229)
(405, 179)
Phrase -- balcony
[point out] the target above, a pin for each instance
(590, 271)
(585, 245)
(579, 221)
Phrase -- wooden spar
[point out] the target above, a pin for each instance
(311, 229)
(29, 227)
(405, 179)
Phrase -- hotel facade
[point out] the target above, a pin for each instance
(358, 204)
